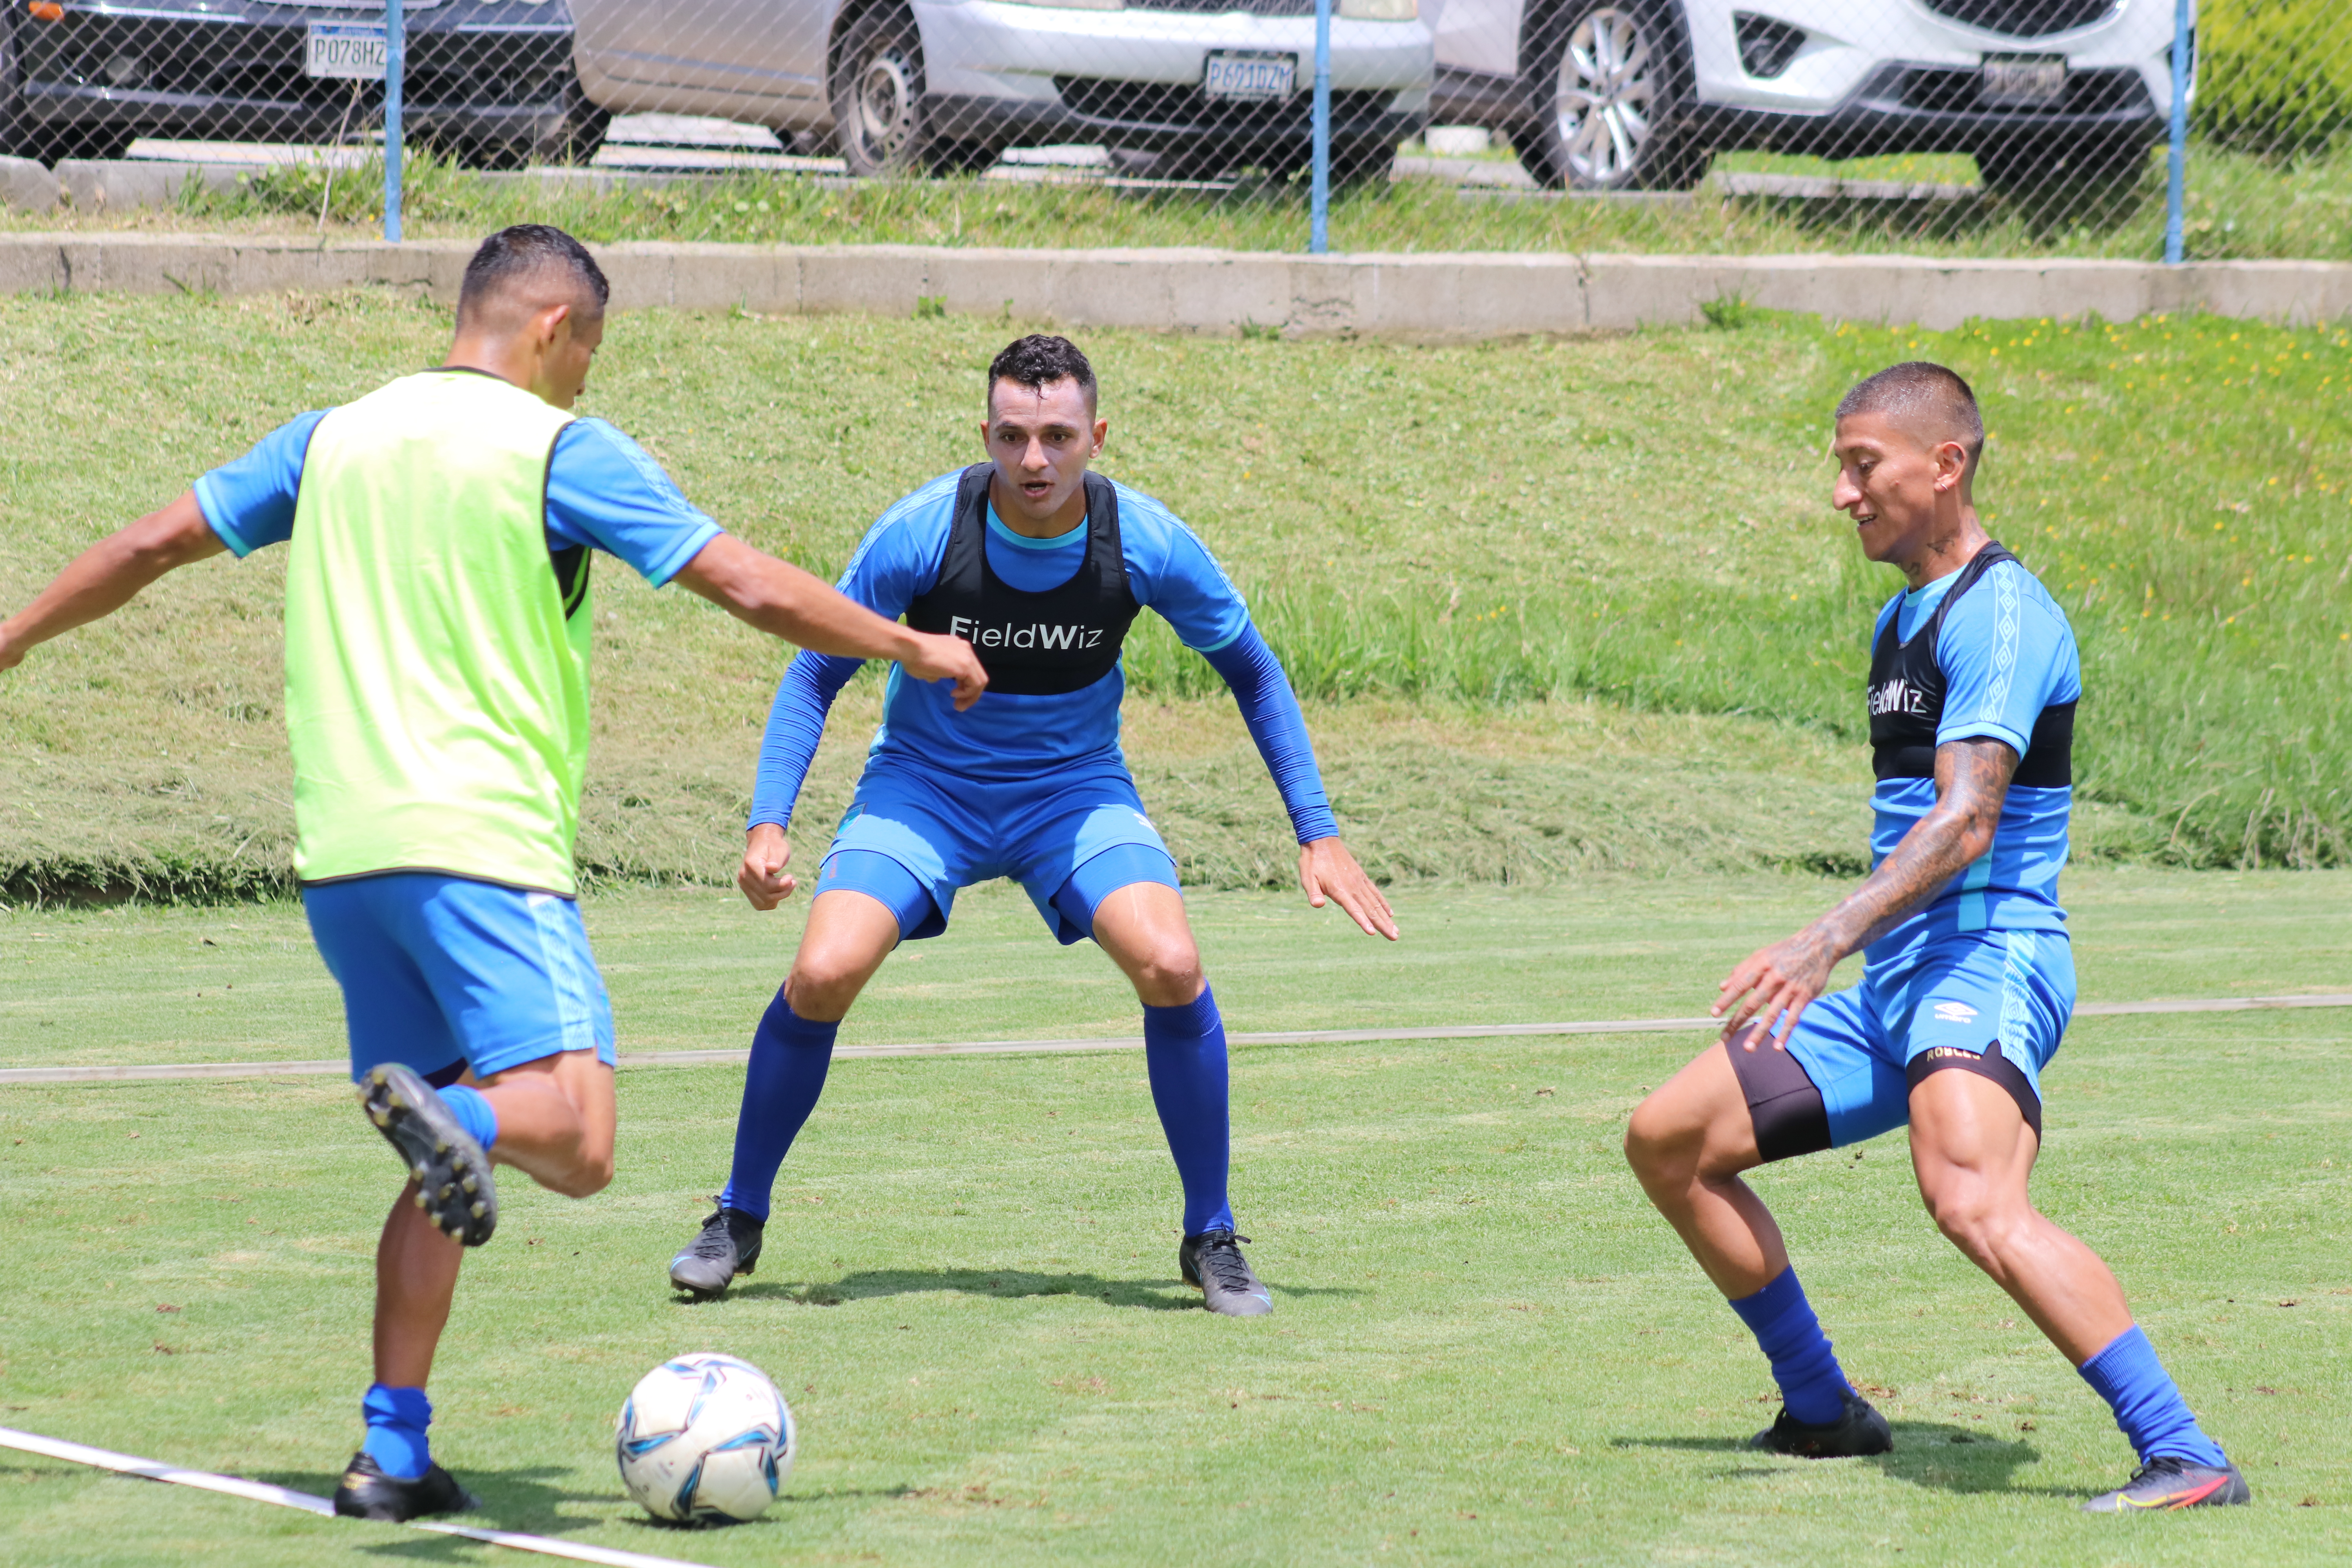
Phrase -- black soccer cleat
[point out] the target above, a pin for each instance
(366, 1492)
(2167, 1483)
(1213, 1265)
(453, 1173)
(727, 1246)
(1859, 1432)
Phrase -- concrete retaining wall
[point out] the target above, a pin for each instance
(1428, 298)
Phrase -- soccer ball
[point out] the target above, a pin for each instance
(705, 1440)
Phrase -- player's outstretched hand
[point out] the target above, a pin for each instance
(763, 879)
(1329, 873)
(940, 658)
(1774, 985)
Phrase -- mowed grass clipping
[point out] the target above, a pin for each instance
(1557, 606)
(1485, 1348)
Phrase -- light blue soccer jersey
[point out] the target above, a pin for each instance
(1009, 736)
(602, 491)
(2006, 654)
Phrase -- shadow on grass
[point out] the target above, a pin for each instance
(1939, 1454)
(1149, 1294)
(519, 1499)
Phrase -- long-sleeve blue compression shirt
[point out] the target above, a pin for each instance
(1004, 736)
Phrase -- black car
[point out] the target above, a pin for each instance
(491, 82)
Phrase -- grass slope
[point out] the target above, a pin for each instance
(1485, 1348)
(1559, 606)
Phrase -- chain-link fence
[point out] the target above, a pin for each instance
(1885, 114)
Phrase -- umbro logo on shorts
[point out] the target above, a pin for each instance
(1953, 1012)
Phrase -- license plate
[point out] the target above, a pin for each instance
(2023, 81)
(349, 51)
(1251, 76)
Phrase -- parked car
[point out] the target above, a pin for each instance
(1617, 94)
(943, 85)
(489, 80)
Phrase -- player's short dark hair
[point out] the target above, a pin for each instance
(1038, 361)
(1919, 392)
(521, 251)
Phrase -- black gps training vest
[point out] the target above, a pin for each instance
(1032, 645)
(1907, 698)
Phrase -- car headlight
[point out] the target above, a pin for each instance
(1380, 10)
(1075, 5)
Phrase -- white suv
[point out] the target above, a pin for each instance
(1606, 94)
(942, 85)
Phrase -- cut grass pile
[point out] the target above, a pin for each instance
(1556, 606)
(2239, 207)
(1486, 1347)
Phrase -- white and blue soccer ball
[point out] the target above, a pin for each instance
(705, 1440)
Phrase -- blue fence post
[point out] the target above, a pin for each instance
(395, 66)
(1319, 238)
(2176, 198)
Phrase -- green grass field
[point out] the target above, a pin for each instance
(2239, 207)
(1486, 1349)
(1557, 606)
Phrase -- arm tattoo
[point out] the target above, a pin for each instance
(1971, 782)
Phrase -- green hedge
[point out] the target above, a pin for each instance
(2276, 76)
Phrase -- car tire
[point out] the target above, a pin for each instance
(878, 96)
(48, 141)
(1607, 82)
(573, 139)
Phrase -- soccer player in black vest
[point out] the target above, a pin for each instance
(1968, 980)
(1043, 566)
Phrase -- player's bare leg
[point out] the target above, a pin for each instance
(556, 1121)
(848, 935)
(1688, 1143)
(1143, 928)
(1972, 1152)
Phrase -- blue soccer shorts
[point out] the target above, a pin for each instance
(1993, 1002)
(912, 839)
(444, 973)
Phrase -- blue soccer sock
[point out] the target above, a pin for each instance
(1184, 1053)
(2147, 1403)
(473, 1111)
(1813, 1386)
(789, 1058)
(396, 1420)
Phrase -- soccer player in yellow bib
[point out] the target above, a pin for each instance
(436, 699)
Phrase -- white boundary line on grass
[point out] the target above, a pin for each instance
(1122, 1042)
(262, 1491)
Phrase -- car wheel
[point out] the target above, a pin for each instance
(1605, 94)
(877, 95)
(579, 135)
(574, 138)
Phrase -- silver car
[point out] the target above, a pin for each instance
(1169, 86)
